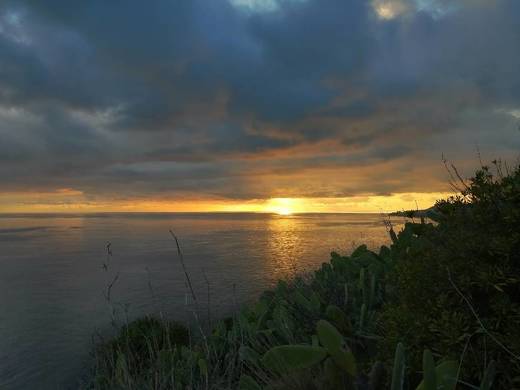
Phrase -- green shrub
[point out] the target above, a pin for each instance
(142, 350)
(475, 248)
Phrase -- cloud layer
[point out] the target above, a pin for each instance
(243, 100)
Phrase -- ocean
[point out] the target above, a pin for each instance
(55, 272)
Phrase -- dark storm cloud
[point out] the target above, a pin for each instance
(40, 63)
(474, 47)
(204, 97)
(299, 49)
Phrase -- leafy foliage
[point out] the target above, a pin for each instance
(457, 282)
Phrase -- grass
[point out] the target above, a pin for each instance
(437, 309)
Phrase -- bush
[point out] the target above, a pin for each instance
(141, 349)
(475, 248)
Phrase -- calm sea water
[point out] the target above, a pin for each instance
(52, 277)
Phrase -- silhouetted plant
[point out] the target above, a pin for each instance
(458, 281)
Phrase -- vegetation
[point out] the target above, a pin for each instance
(457, 282)
(438, 309)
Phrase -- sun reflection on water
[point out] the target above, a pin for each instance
(285, 243)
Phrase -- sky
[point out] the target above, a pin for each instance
(251, 105)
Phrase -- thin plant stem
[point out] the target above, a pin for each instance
(473, 311)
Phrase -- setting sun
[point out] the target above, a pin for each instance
(281, 206)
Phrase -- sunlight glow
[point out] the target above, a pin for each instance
(281, 206)
(70, 200)
(389, 9)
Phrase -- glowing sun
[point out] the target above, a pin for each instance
(281, 206)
